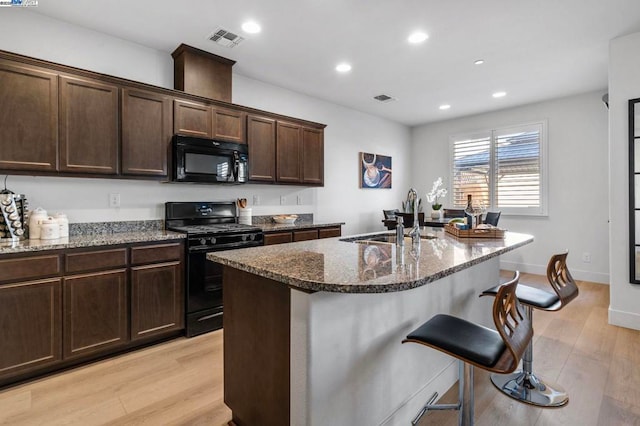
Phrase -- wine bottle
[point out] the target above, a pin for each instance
(469, 217)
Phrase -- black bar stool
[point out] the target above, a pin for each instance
(524, 385)
(475, 345)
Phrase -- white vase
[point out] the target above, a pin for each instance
(436, 214)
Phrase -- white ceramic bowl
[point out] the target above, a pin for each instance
(290, 219)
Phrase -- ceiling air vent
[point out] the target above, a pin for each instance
(225, 38)
(384, 98)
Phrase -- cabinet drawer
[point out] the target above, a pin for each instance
(329, 232)
(277, 238)
(30, 267)
(95, 260)
(309, 234)
(156, 253)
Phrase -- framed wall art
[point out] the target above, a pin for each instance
(375, 171)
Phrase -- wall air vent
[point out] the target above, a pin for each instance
(384, 98)
(225, 38)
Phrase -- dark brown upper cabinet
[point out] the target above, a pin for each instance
(288, 152)
(312, 156)
(229, 125)
(261, 138)
(146, 132)
(29, 119)
(89, 132)
(300, 154)
(191, 118)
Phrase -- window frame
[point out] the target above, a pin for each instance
(541, 125)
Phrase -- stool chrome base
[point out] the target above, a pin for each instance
(528, 388)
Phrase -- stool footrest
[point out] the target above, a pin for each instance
(528, 388)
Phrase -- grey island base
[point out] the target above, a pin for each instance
(313, 330)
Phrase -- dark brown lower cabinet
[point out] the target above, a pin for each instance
(30, 325)
(96, 312)
(157, 301)
(64, 307)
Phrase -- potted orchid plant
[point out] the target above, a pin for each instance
(432, 197)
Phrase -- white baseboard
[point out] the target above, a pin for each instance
(578, 274)
(624, 319)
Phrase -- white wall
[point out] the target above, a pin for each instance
(85, 200)
(578, 191)
(624, 84)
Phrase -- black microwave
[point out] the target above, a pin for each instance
(208, 161)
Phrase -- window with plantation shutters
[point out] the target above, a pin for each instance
(503, 169)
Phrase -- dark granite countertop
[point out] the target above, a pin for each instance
(93, 240)
(340, 266)
(274, 227)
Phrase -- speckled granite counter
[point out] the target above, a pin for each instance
(333, 265)
(88, 241)
(273, 227)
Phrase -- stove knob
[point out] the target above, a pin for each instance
(244, 237)
(213, 240)
(203, 241)
(252, 237)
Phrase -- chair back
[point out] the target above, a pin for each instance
(492, 218)
(390, 214)
(514, 326)
(560, 279)
(453, 212)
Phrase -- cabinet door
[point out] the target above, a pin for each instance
(193, 119)
(157, 301)
(96, 312)
(312, 156)
(89, 132)
(229, 125)
(146, 132)
(288, 149)
(29, 119)
(31, 331)
(261, 137)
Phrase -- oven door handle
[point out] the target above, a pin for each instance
(206, 317)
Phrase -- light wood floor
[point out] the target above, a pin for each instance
(180, 382)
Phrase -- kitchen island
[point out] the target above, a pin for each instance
(313, 330)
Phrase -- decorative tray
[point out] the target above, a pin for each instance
(475, 232)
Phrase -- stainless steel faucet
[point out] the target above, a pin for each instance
(399, 231)
(415, 231)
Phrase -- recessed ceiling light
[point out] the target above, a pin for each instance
(499, 94)
(479, 62)
(417, 37)
(343, 67)
(445, 106)
(251, 27)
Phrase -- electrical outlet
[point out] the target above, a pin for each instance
(586, 257)
(256, 200)
(114, 200)
(299, 199)
(283, 200)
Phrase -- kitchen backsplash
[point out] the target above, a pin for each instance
(302, 218)
(76, 229)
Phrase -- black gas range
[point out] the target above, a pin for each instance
(210, 226)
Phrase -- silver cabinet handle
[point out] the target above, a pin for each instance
(209, 316)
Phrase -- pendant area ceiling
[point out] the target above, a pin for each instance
(532, 50)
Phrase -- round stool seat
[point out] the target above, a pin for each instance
(531, 296)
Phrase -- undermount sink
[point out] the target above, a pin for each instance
(386, 237)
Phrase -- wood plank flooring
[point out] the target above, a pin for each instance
(181, 382)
